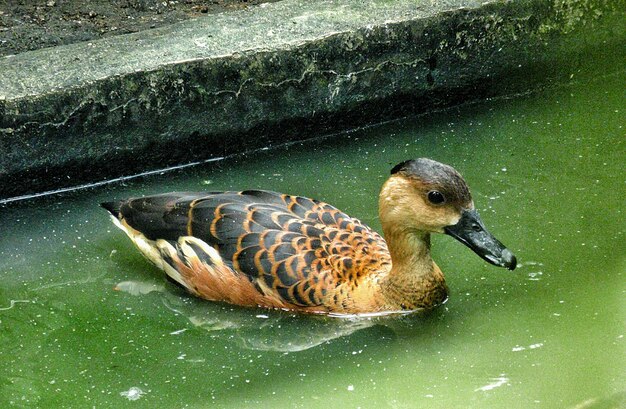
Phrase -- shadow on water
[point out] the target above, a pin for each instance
(274, 330)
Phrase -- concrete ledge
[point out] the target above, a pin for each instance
(236, 81)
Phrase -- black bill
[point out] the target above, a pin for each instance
(471, 231)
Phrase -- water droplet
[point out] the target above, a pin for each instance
(133, 393)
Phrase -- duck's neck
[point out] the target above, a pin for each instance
(410, 252)
(414, 280)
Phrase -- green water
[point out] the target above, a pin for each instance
(85, 321)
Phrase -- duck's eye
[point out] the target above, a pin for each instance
(436, 197)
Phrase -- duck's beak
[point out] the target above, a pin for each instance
(471, 231)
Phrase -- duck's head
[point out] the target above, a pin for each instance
(423, 195)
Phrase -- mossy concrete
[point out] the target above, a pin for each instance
(237, 81)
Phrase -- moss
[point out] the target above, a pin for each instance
(570, 15)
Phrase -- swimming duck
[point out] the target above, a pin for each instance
(267, 249)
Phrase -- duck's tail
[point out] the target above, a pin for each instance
(112, 207)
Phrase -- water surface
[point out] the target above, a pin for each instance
(85, 321)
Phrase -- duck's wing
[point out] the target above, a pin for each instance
(295, 248)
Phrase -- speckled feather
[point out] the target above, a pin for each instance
(275, 249)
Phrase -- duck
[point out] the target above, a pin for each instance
(259, 248)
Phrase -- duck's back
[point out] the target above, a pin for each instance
(283, 251)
